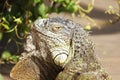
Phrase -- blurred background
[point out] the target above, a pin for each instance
(101, 18)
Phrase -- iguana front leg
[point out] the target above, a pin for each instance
(26, 68)
(81, 72)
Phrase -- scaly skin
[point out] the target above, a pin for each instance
(48, 39)
(84, 65)
(58, 49)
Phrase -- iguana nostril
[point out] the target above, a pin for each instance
(60, 59)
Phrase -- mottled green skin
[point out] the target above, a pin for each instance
(84, 65)
(47, 35)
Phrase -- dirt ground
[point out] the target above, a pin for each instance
(108, 51)
(107, 40)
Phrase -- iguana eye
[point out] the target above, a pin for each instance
(56, 28)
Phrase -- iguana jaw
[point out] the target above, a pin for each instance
(71, 54)
(62, 55)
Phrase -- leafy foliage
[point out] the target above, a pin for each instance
(6, 55)
(16, 17)
(1, 77)
(112, 11)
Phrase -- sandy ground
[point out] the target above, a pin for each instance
(108, 51)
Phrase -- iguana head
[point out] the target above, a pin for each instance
(58, 33)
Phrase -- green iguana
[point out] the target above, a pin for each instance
(58, 49)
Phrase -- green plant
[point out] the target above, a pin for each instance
(1, 77)
(16, 17)
(112, 11)
(6, 56)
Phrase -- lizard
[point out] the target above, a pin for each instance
(58, 49)
(84, 65)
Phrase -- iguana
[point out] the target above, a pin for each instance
(58, 49)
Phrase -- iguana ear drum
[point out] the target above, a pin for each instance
(60, 58)
(60, 55)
